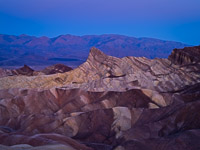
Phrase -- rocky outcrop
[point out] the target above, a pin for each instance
(57, 68)
(105, 103)
(25, 70)
(187, 55)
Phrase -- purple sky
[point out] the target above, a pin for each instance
(177, 20)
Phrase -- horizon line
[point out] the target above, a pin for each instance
(51, 37)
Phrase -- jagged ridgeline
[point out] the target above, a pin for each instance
(106, 103)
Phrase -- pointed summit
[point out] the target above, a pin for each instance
(25, 70)
(95, 51)
(96, 55)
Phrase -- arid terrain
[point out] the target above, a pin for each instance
(107, 103)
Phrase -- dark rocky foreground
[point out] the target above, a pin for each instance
(107, 103)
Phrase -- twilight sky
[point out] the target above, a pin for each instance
(177, 20)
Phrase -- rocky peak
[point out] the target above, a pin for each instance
(25, 70)
(96, 55)
(187, 55)
(98, 63)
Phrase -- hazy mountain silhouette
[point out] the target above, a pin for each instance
(73, 50)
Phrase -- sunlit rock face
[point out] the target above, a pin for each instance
(105, 103)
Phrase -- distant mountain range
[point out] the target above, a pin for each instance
(73, 50)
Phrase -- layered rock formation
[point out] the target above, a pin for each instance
(107, 103)
(188, 55)
(27, 71)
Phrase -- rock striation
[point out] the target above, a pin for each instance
(106, 103)
(187, 55)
